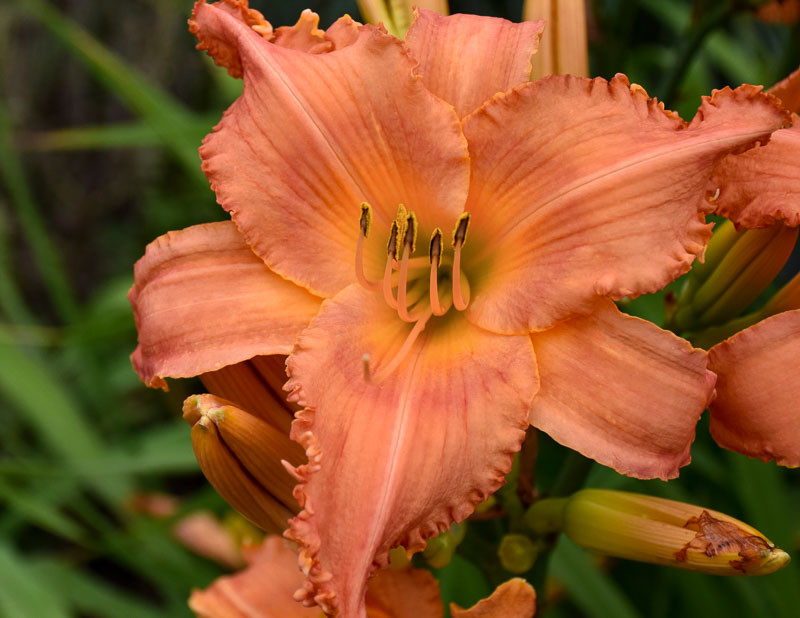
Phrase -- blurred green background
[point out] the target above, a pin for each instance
(102, 107)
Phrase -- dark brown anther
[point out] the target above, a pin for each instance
(391, 248)
(460, 233)
(366, 218)
(435, 250)
(410, 237)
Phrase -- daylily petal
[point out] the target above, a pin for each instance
(621, 391)
(396, 462)
(755, 411)
(253, 386)
(264, 590)
(596, 176)
(404, 593)
(466, 59)
(785, 11)
(224, 54)
(760, 187)
(788, 91)
(343, 32)
(516, 598)
(305, 35)
(313, 136)
(202, 300)
(205, 535)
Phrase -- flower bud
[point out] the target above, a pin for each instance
(739, 266)
(440, 550)
(785, 299)
(649, 529)
(241, 457)
(397, 15)
(517, 553)
(562, 48)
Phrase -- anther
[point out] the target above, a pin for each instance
(460, 233)
(409, 244)
(459, 237)
(364, 224)
(391, 251)
(435, 252)
(401, 218)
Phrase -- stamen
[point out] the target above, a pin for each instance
(459, 237)
(436, 256)
(364, 224)
(409, 244)
(391, 251)
(393, 364)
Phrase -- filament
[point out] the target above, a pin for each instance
(402, 287)
(458, 297)
(362, 278)
(388, 296)
(391, 252)
(398, 358)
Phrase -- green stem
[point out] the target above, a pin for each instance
(572, 477)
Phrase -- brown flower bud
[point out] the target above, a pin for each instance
(241, 455)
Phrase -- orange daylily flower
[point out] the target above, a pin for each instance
(755, 410)
(418, 375)
(265, 588)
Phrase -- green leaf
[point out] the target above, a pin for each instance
(461, 582)
(50, 410)
(168, 118)
(91, 595)
(590, 589)
(33, 226)
(39, 512)
(22, 594)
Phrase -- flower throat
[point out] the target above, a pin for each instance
(418, 279)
